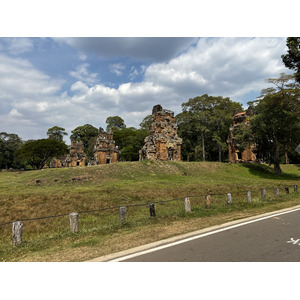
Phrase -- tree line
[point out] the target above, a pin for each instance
(203, 125)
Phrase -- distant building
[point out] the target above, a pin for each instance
(163, 142)
(105, 150)
(249, 154)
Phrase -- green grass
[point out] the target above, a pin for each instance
(66, 190)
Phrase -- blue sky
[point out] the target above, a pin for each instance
(70, 82)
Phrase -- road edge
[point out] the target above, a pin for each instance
(113, 256)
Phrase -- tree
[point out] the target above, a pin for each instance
(276, 123)
(84, 134)
(114, 122)
(130, 141)
(204, 125)
(9, 143)
(145, 124)
(56, 133)
(292, 58)
(38, 153)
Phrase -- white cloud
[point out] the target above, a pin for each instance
(81, 73)
(17, 46)
(117, 68)
(31, 101)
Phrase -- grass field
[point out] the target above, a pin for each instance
(82, 189)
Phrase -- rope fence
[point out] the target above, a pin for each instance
(184, 205)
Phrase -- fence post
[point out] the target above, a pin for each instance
(17, 232)
(207, 201)
(152, 210)
(249, 196)
(229, 199)
(263, 193)
(276, 192)
(74, 224)
(287, 190)
(187, 204)
(122, 214)
(295, 188)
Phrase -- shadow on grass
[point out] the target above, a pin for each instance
(265, 171)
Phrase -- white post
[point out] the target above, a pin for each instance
(122, 214)
(17, 232)
(74, 224)
(276, 192)
(229, 199)
(249, 196)
(187, 204)
(263, 193)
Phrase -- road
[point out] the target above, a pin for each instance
(274, 238)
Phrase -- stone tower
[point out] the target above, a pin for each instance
(248, 155)
(163, 142)
(105, 150)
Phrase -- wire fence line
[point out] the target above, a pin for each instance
(148, 203)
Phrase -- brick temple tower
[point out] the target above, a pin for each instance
(163, 142)
(105, 150)
(248, 155)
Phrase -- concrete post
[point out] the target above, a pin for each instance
(295, 188)
(276, 192)
(17, 232)
(249, 196)
(74, 224)
(187, 204)
(287, 191)
(122, 214)
(229, 199)
(263, 193)
(152, 210)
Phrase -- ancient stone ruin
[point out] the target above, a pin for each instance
(249, 154)
(163, 142)
(76, 157)
(105, 150)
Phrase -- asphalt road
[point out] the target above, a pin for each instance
(274, 238)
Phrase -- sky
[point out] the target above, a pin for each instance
(69, 82)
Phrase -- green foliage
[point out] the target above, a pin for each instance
(130, 141)
(84, 134)
(56, 133)
(9, 143)
(38, 153)
(292, 58)
(204, 126)
(145, 124)
(114, 122)
(276, 124)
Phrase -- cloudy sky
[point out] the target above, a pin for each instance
(70, 82)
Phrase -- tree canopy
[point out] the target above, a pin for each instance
(114, 122)
(9, 143)
(84, 134)
(276, 123)
(292, 58)
(38, 153)
(204, 126)
(56, 133)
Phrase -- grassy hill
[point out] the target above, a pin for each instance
(51, 192)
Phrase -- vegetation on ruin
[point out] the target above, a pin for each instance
(52, 192)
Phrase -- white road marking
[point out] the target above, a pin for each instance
(198, 237)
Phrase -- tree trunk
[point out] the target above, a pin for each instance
(220, 154)
(277, 168)
(287, 161)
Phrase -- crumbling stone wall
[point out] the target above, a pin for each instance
(105, 150)
(76, 157)
(163, 142)
(249, 154)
